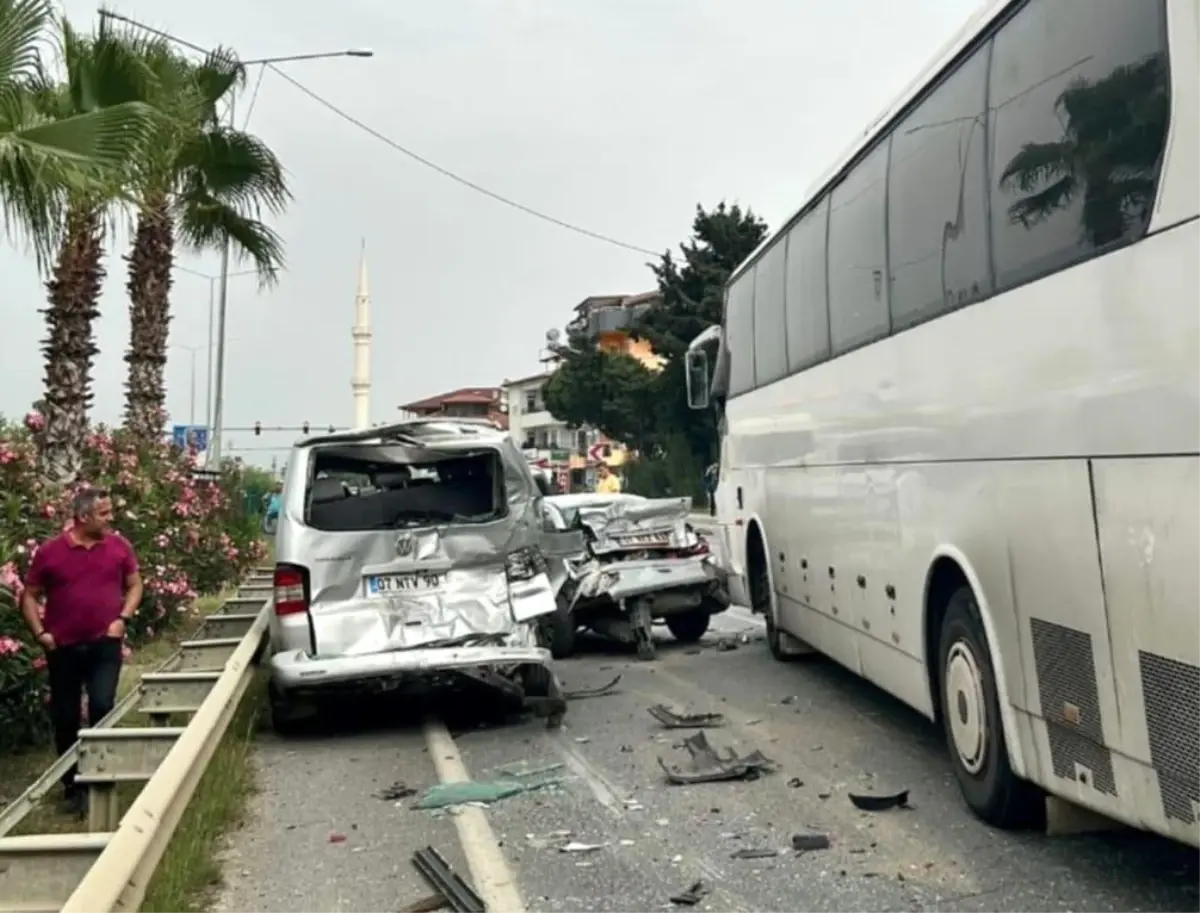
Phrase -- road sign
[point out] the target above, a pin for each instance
(596, 452)
(193, 437)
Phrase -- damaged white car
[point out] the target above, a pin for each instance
(641, 562)
(409, 555)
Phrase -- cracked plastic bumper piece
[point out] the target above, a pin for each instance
(296, 669)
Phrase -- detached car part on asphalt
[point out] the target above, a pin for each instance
(412, 555)
(641, 561)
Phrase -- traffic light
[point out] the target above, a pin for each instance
(304, 428)
(257, 428)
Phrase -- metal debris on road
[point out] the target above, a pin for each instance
(449, 884)
(337, 838)
(580, 694)
(672, 720)
(870, 802)
(707, 766)
(692, 896)
(807, 843)
(795, 783)
(398, 790)
(726, 644)
(754, 852)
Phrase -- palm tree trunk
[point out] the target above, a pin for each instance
(70, 345)
(149, 287)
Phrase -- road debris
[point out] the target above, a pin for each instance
(795, 783)
(444, 795)
(726, 644)
(576, 846)
(459, 895)
(871, 802)
(692, 896)
(580, 694)
(707, 766)
(398, 790)
(337, 838)
(754, 852)
(672, 720)
(426, 904)
(807, 843)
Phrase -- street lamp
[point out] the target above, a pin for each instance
(214, 451)
(212, 312)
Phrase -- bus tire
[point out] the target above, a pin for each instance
(973, 726)
(760, 597)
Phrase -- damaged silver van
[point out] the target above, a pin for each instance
(407, 555)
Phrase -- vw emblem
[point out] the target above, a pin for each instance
(404, 546)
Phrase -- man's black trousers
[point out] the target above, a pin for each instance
(93, 667)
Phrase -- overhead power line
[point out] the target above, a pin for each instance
(458, 178)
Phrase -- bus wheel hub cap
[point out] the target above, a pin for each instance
(965, 707)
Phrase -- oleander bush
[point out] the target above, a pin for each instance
(193, 534)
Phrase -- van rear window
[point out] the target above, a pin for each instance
(356, 488)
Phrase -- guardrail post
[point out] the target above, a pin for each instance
(104, 808)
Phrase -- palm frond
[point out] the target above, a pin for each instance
(205, 222)
(236, 168)
(23, 25)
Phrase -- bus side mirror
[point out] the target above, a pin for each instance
(696, 367)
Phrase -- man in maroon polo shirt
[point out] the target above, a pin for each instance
(90, 581)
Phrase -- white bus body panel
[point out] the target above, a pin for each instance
(1046, 441)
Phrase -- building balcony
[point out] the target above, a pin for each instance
(540, 419)
(608, 320)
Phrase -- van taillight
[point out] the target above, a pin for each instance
(289, 590)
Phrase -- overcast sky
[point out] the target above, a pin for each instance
(617, 115)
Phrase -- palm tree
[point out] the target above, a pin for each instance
(42, 157)
(101, 73)
(204, 183)
(1114, 129)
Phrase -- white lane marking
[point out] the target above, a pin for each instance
(493, 876)
(603, 789)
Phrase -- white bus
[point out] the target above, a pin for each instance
(959, 398)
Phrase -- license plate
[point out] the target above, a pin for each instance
(644, 539)
(419, 582)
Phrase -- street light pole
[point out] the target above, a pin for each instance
(208, 374)
(192, 417)
(214, 450)
(213, 453)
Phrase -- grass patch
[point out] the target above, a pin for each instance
(190, 870)
(17, 771)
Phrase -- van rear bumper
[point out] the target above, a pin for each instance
(296, 669)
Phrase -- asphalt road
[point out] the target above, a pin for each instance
(318, 838)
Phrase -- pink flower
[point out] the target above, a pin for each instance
(39, 663)
(10, 645)
(48, 511)
(35, 421)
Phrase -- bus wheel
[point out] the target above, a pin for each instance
(973, 725)
(760, 596)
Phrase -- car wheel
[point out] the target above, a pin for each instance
(973, 726)
(558, 633)
(537, 681)
(284, 719)
(689, 627)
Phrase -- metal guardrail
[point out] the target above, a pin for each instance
(108, 867)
